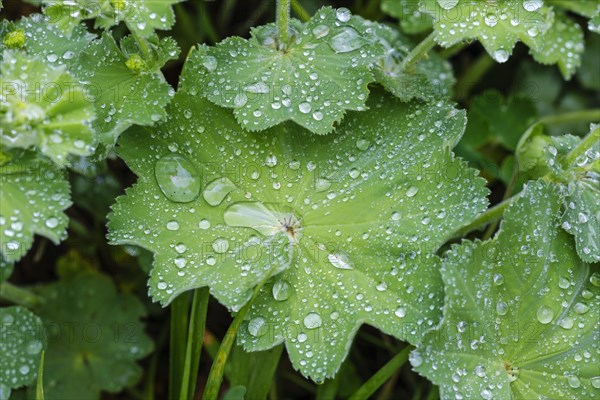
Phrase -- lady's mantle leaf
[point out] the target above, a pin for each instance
(521, 317)
(349, 222)
(33, 197)
(322, 72)
(44, 107)
(95, 336)
(411, 18)
(119, 83)
(143, 17)
(498, 25)
(21, 345)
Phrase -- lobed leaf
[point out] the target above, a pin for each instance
(521, 312)
(323, 71)
(34, 195)
(346, 225)
(95, 337)
(20, 348)
(412, 19)
(44, 107)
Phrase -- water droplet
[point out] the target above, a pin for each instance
(447, 4)
(415, 358)
(400, 312)
(317, 115)
(180, 262)
(34, 347)
(486, 394)
(257, 326)
(210, 63)
(343, 14)
(180, 248)
(563, 283)
(382, 287)
(574, 381)
(322, 184)
(173, 225)
(501, 55)
(566, 322)
(340, 260)
(412, 191)
(595, 381)
(52, 223)
(501, 308)
(304, 107)
(312, 321)
(595, 279)
(396, 216)
(320, 31)
(24, 369)
(532, 5)
(254, 215)
(281, 290)
(354, 173)
(52, 57)
(544, 315)
(271, 160)
(177, 178)
(211, 260)
(240, 99)
(498, 279)
(216, 191)
(162, 285)
(363, 144)
(581, 308)
(204, 224)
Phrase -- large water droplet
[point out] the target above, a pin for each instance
(312, 320)
(447, 4)
(320, 31)
(220, 245)
(544, 315)
(281, 290)
(343, 14)
(257, 326)
(412, 191)
(415, 358)
(340, 260)
(501, 308)
(501, 55)
(253, 215)
(400, 312)
(177, 178)
(216, 191)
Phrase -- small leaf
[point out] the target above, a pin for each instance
(312, 80)
(44, 108)
(143, 17)
(520, 316)
(20, 348)
(117, 91)
(34, 195)
(94, 335)
(348, 222)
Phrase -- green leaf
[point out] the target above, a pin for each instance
(142, 17)
(241, 370)
(497, 25)
(520, 315)
(95, 337)
(6, 269)
(34, 195)
(552, 38)
(594, 23)
(431, 78)
(44, 107)
(46, 40)
(313, 80)
(590, 64)
(412, 19)
(118, 90)
(562, 45)
(20, 348)
(235, 393)
(586, 8)
(350, 221)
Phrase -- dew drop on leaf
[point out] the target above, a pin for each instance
(216, 191)
(257, 326)
(177, 178)
(544, 315)
(346, 41)
(312, 321)
(340, 260)
(281, 290)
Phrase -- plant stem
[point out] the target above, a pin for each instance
(39, 387)
(141, 42)
(177, 346)
(283, 20)
(17, 295)
(473, 75)
(197, 322)
(381, 376)
(300, 11)
(419, 52)
(574, 116)
(215, 376)
(452, 51)
(587, 143)
(490, 215)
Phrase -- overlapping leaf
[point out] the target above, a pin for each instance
(95, 337)
(120, 81)
(34, 195)
(521, 312)
(44, 107)
(411, 18)
(551, 36)
(20, 348)
(349, 222)
(143, 17)
(323, 71)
